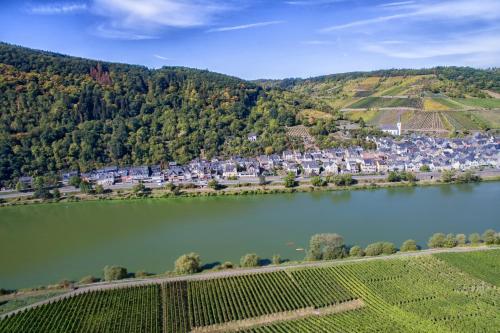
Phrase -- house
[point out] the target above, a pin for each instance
(311, 168)
(382, 166)
(352, 166)
(330, 168)
(252, 137)
(230, 170)
(291, 167)
(105, 179)
(368, 166)
(250, 171)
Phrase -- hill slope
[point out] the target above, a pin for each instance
(62, 113)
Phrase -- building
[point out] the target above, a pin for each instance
(252, 137)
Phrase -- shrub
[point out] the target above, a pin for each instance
(188, 264)
(276, 260)
(474, 238)
(289, 180)
(318, 181)
(409, 245)
(374, 249)
(213, 184)
(114, 273)
(227, 265)
(450, 241)
(141, 274)
(356, 251)
(489, 236)
(436, 240)
(461, 239)
(250, 260)
(88, 279)
(388, 248)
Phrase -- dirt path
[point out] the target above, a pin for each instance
(238, 325)
(237, 272)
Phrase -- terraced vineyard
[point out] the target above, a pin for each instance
(381, 102)
(425, 122)
(453, 292)
(120, 310)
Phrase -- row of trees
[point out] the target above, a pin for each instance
(450, 176)
(440, 240)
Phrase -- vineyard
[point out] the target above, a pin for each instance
(425, 122)
(452, 292)
(380, 102)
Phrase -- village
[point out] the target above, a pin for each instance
(411, 153)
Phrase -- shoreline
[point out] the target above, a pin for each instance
(235, 190)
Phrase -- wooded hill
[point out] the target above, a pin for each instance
(60, 113)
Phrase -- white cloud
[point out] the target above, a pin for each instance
(312, 2)
(58, 8)
(317, 42)
(487, 10)
(159, 13)
(397, 4)
(111, 33)
(246, 26)
(484, 45)
(157, 56)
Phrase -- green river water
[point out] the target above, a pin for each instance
(42, 244)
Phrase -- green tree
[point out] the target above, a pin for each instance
(437, 240)
(468, 177)
(447, 176)
(318, 181)
(489, 236)
(56, 193)
(140, 189)
(326, 246)
(374, 249)
(75, 181)
(425, 168)
(474, 238)
(188, 264)
(289, 180)
(262, 180)
(214, 185)
(250, 260)
(114, 273)
(88, 279)
(461, 239)
(409, 245)
(99, 189)
(86, 187)
(450, 241)
(20, 186)
(388, 248)
(356, 251)
(393, 177)
(276, 260)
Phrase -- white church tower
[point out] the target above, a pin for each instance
(399, 125)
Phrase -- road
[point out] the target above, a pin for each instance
(252, 180)
(237, 272)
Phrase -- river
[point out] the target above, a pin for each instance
(45, 243)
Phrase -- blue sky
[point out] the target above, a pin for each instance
(262, 38)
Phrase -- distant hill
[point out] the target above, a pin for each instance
(59, 112)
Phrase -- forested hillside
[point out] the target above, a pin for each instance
(59, 112)
(65, 113)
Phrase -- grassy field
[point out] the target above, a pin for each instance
(313, 115)
(379, 102)
(434, 104)
(367, 116)
(486, 268)
(486, 103)
(489, 117)
(453, 292)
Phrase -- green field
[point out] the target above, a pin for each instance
(380, 102)
(454, 292)
(476, 264)
(487, 103)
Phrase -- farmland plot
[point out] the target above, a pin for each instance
(425, 122)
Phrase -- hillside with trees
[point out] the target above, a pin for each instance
(65, 113)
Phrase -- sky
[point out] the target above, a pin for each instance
(255, 39)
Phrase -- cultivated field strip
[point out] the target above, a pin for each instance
(235, 298)
(453, 292)
(122, 310)
(425, 122)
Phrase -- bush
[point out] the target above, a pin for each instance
(188, 263)
(474, 238)
(356, 251)
(99, 189)
(447, 176)
(425, 168)
(436, 240)
(326, 246)
(250, 260)
(489, 236)
(374, 249)
(88, 279)
(318, 181)
(214, 185)
(289, 180)
(450, 241)
(409, 245)
(388, 248)
(276, 260)
(468, 177)
(141, 274)
(114, 273)
(227, 265)
(461, 239)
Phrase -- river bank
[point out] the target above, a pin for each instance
(365, 183)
